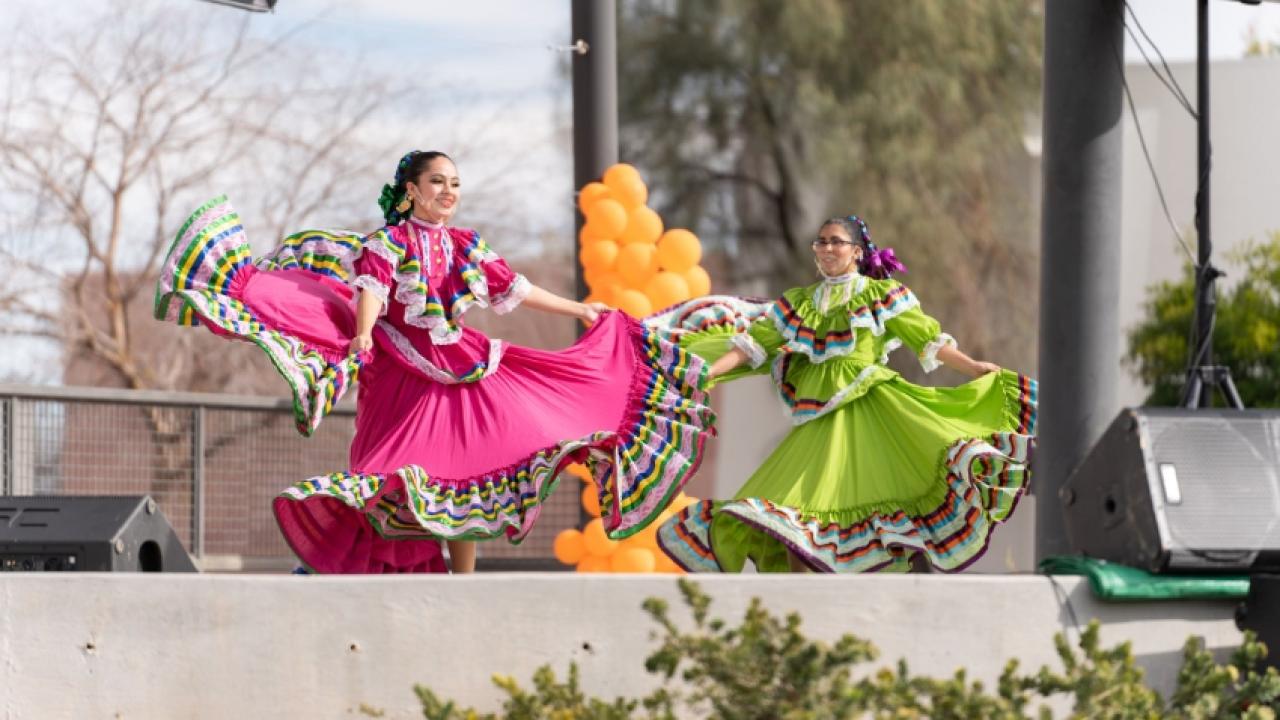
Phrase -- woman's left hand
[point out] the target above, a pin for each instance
(981, 368)
(592, 311)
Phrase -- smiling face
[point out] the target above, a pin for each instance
(436, 192)
(835, 250)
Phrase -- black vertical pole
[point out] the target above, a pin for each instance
(595, 102)
(1206, 297)
(1080, 246)
(595, 112)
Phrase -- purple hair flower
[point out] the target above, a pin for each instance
(882, 263)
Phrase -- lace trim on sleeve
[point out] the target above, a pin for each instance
(929, 356)
(747, 344)
(508, 301)
(371, 284)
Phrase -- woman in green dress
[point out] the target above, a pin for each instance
(877, 473)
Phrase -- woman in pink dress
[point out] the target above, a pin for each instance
(458, 436)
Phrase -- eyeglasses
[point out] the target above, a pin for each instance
(833, 243)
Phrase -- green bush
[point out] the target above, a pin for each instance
(766, 669)
(1245, 334)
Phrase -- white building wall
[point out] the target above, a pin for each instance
(1245, 182)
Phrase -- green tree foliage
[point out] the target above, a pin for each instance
(1246, 335)
(756, 119)
(766, 669)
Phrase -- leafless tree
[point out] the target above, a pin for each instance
(109, 135)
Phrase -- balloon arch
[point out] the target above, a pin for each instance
(633, 264)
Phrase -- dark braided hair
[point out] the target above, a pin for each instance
(411, 167)
(876, 263)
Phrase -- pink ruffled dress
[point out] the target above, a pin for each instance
(458, 436)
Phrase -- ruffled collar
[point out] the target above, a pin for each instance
(837, 291)
(839, 279)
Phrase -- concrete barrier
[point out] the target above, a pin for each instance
(207, 646)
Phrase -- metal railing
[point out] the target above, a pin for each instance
(213, 463)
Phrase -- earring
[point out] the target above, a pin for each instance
(404, 204)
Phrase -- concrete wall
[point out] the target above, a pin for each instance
(201, 646)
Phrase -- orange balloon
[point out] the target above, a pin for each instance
(637, 262)
(568, 546)
(586, 236)
(666, 289)
(634, 303)
(682, 501)
(593, 564)
(665, 564)
(589, 194)
(606, 219)
(646, 539)
(633, 560)
(596, 542)
(606, 286)
(591, 501)
(698, 279)
(626, 185)
(679, 250)
(592, 275)
(643, 226)
(599, 255)
(579, 471)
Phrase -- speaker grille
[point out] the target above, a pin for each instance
(1226, 471)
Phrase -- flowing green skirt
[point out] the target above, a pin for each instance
(899, 470)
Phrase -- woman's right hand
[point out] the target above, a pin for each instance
(362, 343)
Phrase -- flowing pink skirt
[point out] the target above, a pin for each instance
(430, 461)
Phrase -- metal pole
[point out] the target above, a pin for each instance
(1080, 238)
(10, 440)
(595, 111)
(1206, 298)
(595, 103)
(197, 482)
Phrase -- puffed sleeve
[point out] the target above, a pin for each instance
(490, 278)
(376, 266)
(918, 331)
(759, 341)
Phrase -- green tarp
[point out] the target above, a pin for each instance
(1111, 581)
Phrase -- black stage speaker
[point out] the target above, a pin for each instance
(1176, 490)
(89, 534)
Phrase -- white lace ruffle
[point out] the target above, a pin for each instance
(381, 250)
(752, 349)
(371, 284)
(442, 330)
(833, 292)
(929, 356)
(429, 369)
(838, 399)
(516, 294)
(874, 320)
(889, 346)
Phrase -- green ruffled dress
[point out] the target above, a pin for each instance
(876, 468)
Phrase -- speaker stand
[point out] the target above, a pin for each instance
(1213, 376)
